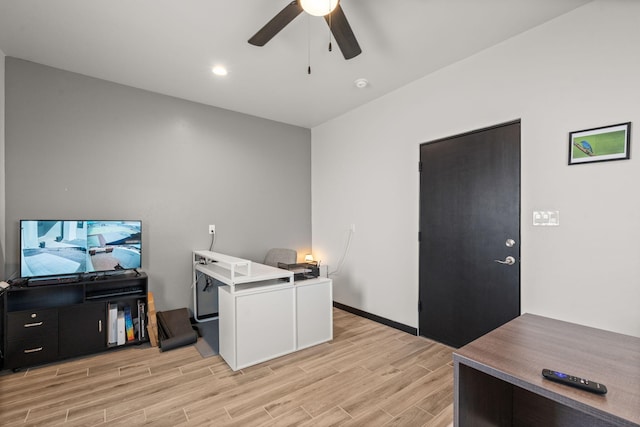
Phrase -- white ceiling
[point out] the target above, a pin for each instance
(169, 47)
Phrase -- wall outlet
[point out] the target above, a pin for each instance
(212, 229)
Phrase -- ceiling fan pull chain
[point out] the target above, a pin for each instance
(308, 46)
(330, 32)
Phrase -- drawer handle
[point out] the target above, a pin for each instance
(31, 325)
(33, 350)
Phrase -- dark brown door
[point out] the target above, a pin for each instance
(469, 234)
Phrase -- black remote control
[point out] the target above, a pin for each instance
(572, 381)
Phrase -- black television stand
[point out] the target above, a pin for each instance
(46, 323)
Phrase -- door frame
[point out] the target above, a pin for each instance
(519, 237)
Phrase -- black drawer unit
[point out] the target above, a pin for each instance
(33, 351)
(31, 323)
(51, 322)
(32, 337)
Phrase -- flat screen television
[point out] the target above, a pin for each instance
(66, 247)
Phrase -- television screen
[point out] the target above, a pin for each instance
(114, 245)
(63, 247)
(52, 247)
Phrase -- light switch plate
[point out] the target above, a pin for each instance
(546, 218)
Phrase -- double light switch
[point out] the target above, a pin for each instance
(546, 218)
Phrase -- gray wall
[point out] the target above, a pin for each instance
(80, 147)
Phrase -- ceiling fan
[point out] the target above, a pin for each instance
(333, 14)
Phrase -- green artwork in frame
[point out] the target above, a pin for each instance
(600, 144)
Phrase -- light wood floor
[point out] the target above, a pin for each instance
(369, 375)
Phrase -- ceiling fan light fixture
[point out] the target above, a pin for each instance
(319, 7)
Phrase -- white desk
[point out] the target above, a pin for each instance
(263, 313)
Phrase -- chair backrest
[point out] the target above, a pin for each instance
(276, 255)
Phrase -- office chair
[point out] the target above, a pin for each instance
(276, 255)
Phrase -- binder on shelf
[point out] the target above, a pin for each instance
(128, 323)
(141, 321)
(122, 338)
(113, 324)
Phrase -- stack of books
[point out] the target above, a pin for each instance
(123, 328)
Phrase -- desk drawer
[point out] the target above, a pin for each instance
(23, 325)
(32, 351)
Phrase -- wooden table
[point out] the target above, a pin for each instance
(498, 380)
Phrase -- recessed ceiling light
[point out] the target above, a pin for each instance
(361, 83)
(219, 70)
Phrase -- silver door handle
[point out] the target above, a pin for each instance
(508, 260)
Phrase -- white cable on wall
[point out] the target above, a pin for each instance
(338, 269)
(213, 241)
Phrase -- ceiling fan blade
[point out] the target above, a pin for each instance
(276, 24)
(343, 34)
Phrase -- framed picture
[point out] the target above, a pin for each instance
(600, 144)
